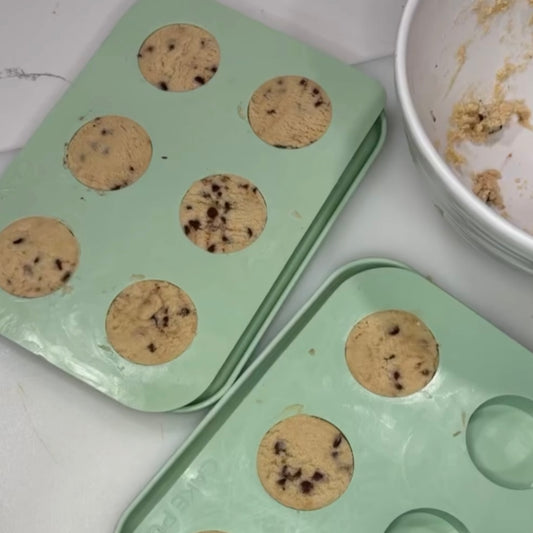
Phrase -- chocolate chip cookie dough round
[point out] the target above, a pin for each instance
(304, 462)
(38, 255)
(290, 112)
(179, 57)
(151, 322)
(109, 153)
(392, 353)
(223, 213)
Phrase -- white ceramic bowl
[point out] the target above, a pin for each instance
(429, 82)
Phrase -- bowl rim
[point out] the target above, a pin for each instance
(497, 226)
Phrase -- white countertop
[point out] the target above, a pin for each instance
(71, 459)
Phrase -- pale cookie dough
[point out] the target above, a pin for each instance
(109, 153)
(179, 57)
(151, 322)
(223, 213)
(392, 353)
(290, 112)
(486, 186)
(305, 462)
(38, 255)
(487, 9)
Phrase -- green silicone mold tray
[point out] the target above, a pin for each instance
(450, 458)
(134, 233)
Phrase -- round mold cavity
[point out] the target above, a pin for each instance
(426, 521)
(499, 438)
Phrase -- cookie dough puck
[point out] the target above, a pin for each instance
(290, 112)
(392, 353)
(109, 153)
(38, 255)
(304, 462)
(151, 322)
(179, 57)
(223, 213)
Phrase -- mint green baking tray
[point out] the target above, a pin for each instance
(134, 233)
(410, 453)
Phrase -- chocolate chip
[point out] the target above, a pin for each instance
(399, 386)
(139, 55)
(212, 248)
(337, 441)
(185, 311)
(206, 195)
(282, 482)
(28, 270)
(195, 224)
(334, 454)
(202, 43)
(150, 48)
(116, 187)
(279, 446)
(163, 86)
(66, 277)
(280, 82)
(104, 132)
(250, 232)
(318, 103)
(396, 375)
(317, 476)
(227, 206)
(215, 187)
(36, 260)
(303, 82)
(171, 46)
(214, 69)
(224, 239)
(223, 218)
(132, 169)
(199, 79)
(165, 321)
(394, 330)
(425, 372)
(152, 347)
(59, 264)
(392, 356)
(316, 91)
(306, 486)
(271, 112)
(254, 190)
(480, 117)
(188, 207)
(20, 240)
(212, 212)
